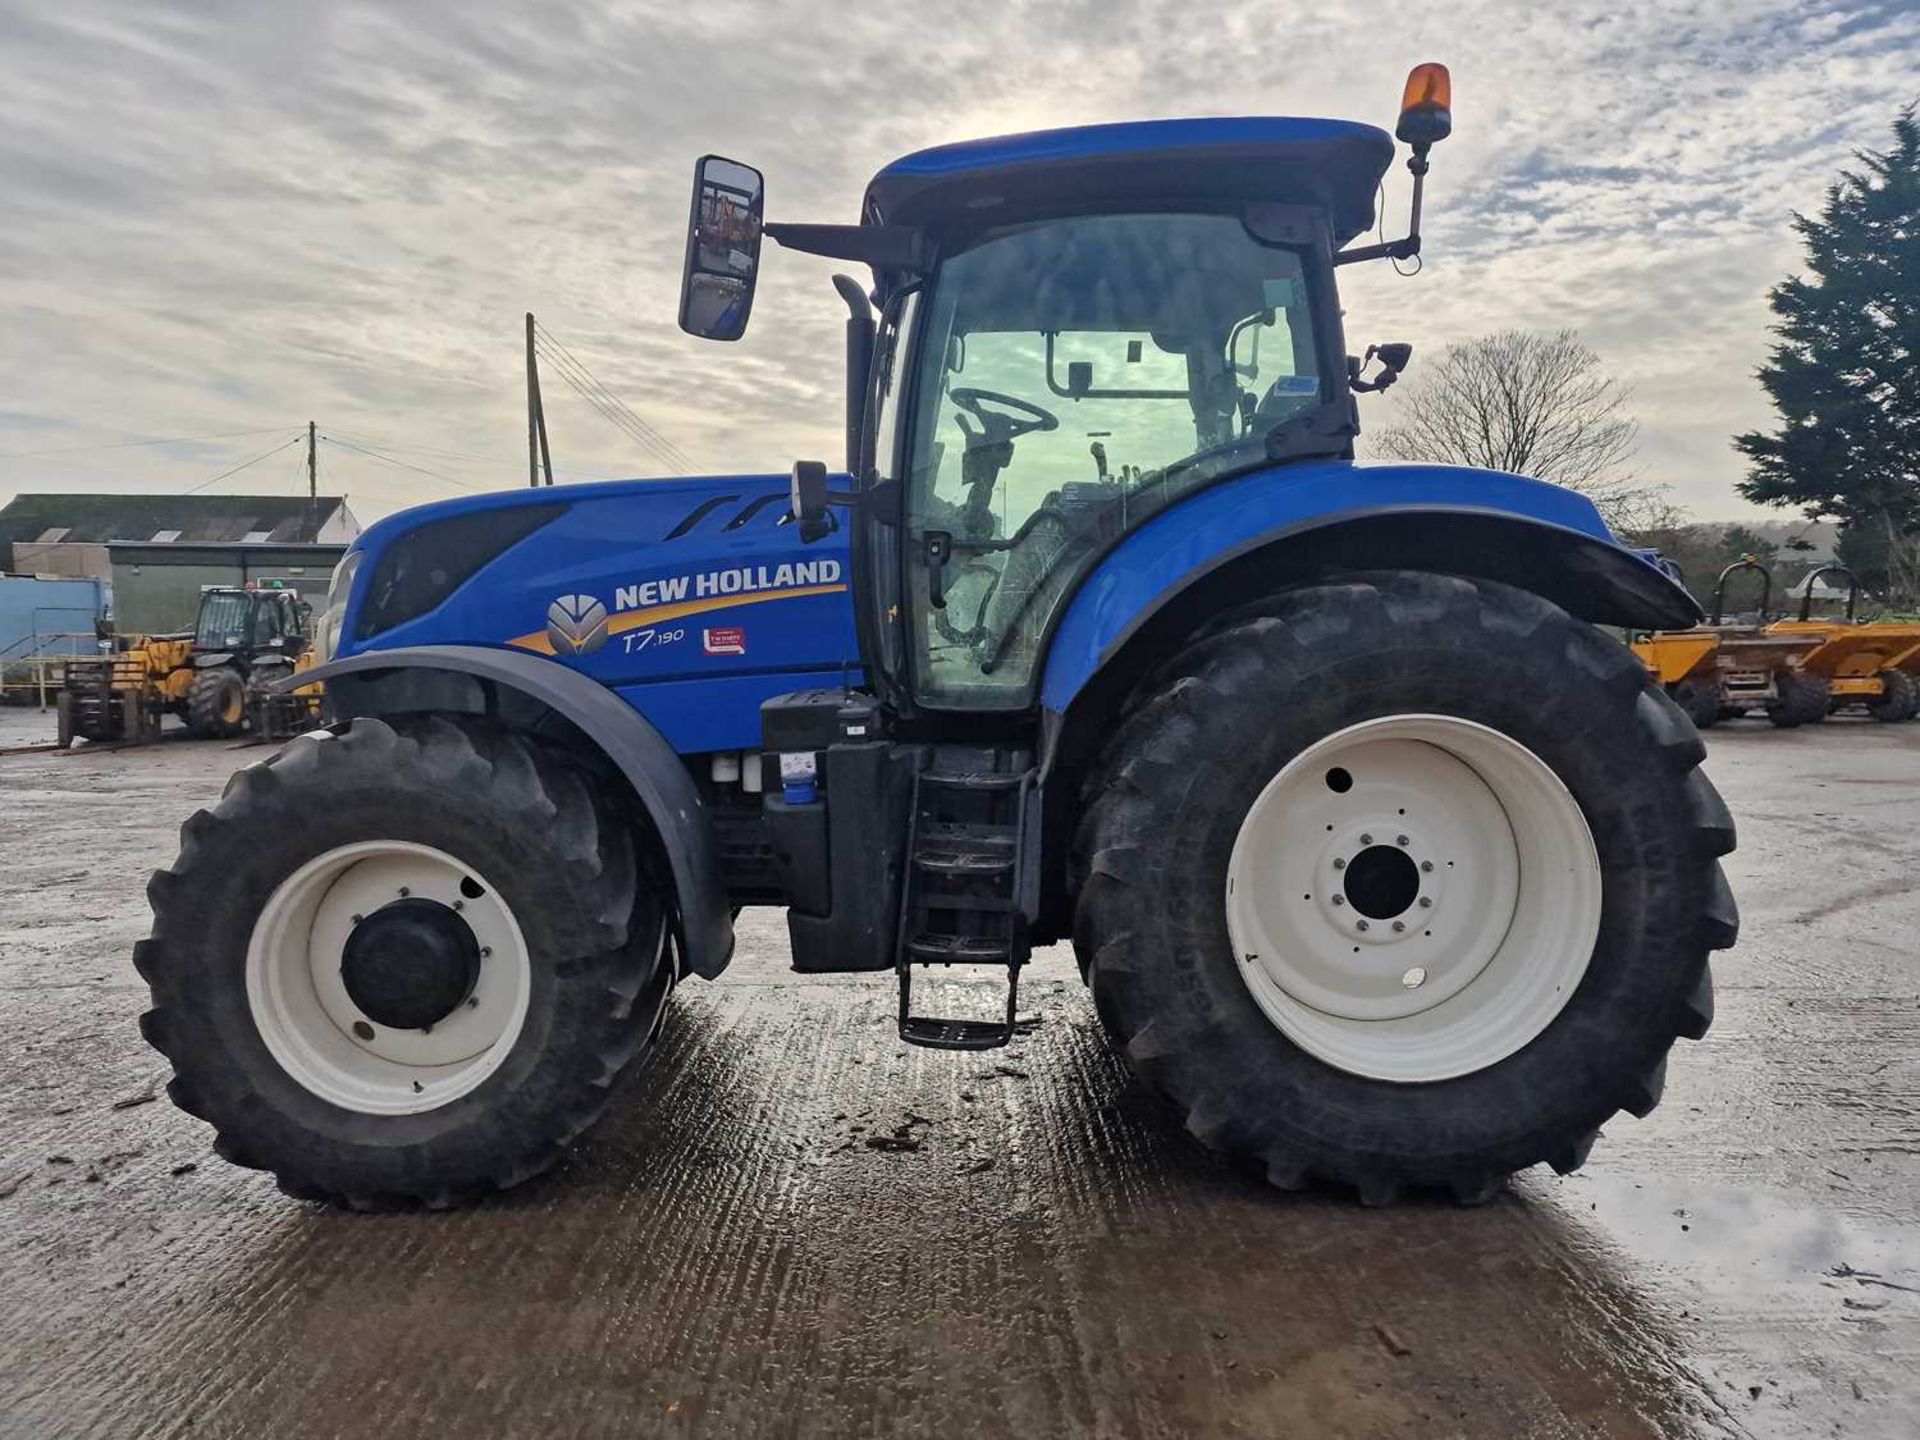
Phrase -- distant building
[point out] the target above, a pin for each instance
(157, 552)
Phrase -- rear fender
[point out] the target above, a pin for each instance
(1143, 602)
(529, 691)
(1236, 542)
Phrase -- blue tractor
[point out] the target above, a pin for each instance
(1386, 865)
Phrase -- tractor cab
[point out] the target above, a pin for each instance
(1075, 330)
(237, 621)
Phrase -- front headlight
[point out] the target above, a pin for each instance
(326, 634)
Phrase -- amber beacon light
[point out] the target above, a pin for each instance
(1426, 106)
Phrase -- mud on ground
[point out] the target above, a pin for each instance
(1030, 1248)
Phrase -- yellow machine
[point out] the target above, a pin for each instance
(1873, 665)
(1717, 671)
(276, 714)
(217, 678)
(122, 693)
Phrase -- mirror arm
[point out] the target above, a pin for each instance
(885, 247)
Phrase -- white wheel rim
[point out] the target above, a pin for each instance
(311, 1025)
(1425, 919)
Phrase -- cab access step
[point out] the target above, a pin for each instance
(962, 901)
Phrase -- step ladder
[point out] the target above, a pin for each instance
(962, 904)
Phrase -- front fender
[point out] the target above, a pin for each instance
(1259, 533)
(658, 776)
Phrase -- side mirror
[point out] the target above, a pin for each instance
(723, 249)
(1394, 356)
(807, 502)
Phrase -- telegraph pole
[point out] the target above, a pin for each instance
(313, 470)
(538, 455)
(533, 437)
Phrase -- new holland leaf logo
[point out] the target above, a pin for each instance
(576, 625)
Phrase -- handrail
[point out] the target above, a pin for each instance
(1720, 587)
(1853, 590)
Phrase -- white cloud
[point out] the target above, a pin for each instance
(227, 217)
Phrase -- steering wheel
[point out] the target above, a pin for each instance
(1026, 419)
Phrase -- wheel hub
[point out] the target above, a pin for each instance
(388, 977)
(410, 964)
(1382, 882)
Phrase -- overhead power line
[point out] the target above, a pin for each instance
(132, 444)
(294, 439)
(400, 464)
(581, 378)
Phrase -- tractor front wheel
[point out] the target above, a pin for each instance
(217, 703)
(399, 966)
(1409, 881)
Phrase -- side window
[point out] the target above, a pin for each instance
(891, 378)
(889, 381)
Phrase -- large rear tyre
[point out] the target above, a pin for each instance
(1898, 699)
(403, 966)
(1301, 905)
(1803, 699)
(217, 703)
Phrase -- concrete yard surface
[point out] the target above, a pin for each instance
(1031, 1248)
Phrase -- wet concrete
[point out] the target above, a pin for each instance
(1032, 1249)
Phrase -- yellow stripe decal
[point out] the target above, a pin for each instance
(658, 614)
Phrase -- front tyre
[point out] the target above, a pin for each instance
(1801, 698)
(1408, 881)
(1898, 700)
(403, 966)
(217, 703)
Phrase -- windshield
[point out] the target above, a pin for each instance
(1075, 376)
(223, 620)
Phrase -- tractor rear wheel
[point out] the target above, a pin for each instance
(1302, 905)
(217, 703)
(1802, 700)
(400, 966)
(1898, 699)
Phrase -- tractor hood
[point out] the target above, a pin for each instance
(1331, 165)
(631, 583)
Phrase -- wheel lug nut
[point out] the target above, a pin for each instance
(1338, 900)
(1426, 902)
(1362, 925)
(1339, 864)
(358, 918)
(1400, 840)
(1426, 865)
(459, 904)
(1366, 839)
(485, 951)
(1398, 926)
(405, 892)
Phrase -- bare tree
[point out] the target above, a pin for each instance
(1531, 404)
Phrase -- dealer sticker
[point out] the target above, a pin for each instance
(725, 640)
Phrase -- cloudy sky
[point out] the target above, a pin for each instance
(223, 219)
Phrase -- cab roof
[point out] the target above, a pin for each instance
(1333, 164)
